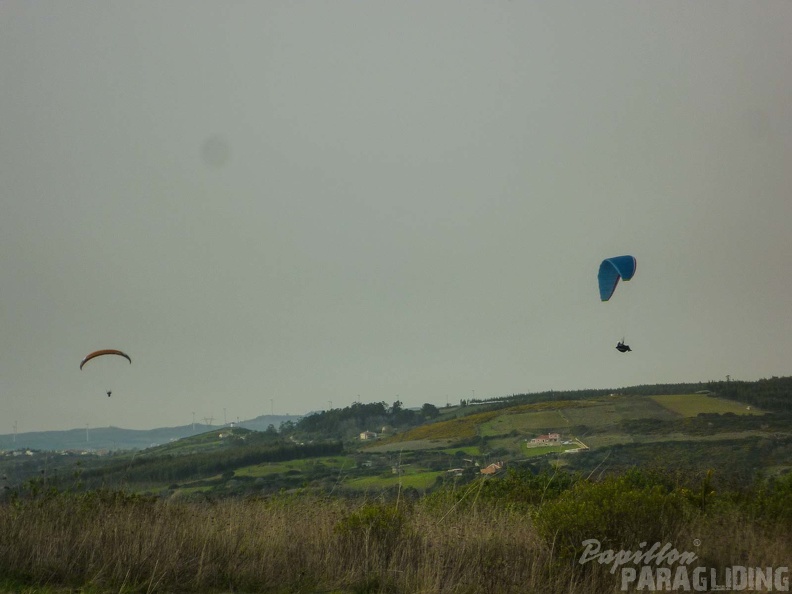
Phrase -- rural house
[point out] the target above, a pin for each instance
(492, 468)
(368, 435)
(549, 438)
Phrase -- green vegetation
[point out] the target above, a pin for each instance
(690, 405)
(349, 422)
(416, 480)
(539, 421)
(270, 468)
(521, 533)
(153, 469)
(460, 428)
(463, 451)
(611, 410)
(311, 511)
(651, 426)
(529, 450)
(387, 445)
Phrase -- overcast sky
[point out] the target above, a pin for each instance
(274, 205)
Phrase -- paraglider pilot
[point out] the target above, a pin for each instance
(622, 348)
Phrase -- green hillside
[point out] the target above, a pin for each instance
(526, 478)
(741, 428)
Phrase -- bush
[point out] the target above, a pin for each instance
(772, 501)
(522, 487)
(620, 512)
(373, 530)
(372, 521)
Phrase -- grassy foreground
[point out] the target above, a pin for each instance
(523, 533)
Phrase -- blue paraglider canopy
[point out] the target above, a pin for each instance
(611, 270)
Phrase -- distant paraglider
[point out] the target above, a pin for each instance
(101, 353)
(104, 352)
(611, 271)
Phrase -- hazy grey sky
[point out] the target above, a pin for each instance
(330, 201)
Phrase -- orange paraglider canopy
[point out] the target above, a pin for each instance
(104, 352)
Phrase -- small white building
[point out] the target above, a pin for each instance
(366, 435)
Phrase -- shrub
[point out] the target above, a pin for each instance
(373, 530)
(772, 501)
(620, 512)
(523, 487)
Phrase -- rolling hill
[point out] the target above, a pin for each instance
(739, 428)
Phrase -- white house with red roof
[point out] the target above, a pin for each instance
(550, 438)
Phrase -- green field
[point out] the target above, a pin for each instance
(531, 451)
(524, 422)
(468, 450)
(601, 421)
(411, 445)
(418, 480)
(690, 405)
(612, 410)
(269, 468)
(191, 490)
(606, 440)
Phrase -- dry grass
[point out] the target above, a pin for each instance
(116, 543)
(283, 545)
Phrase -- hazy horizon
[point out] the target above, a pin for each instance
(274, 206)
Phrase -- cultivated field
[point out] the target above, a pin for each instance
(525, 422)
(416, 479)
(614, 409)
(388, 446)
(269, 468)
(601, 420)
(690, 405)
(532, 450)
